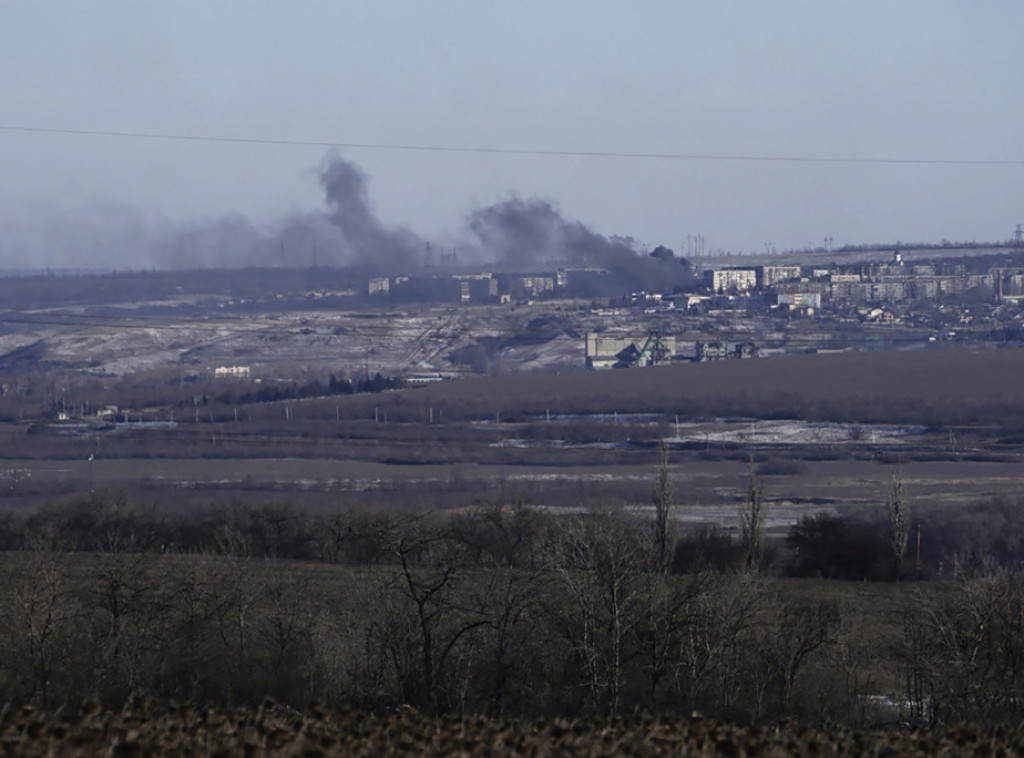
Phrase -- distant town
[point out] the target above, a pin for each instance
(977, 294)
(276, 333)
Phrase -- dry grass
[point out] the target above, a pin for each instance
(146, 728)
(960, 385)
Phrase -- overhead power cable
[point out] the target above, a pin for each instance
(394, 146)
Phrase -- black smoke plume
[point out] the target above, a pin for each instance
(529, 234)
(347, 233)
(369, 243)
(516, 235)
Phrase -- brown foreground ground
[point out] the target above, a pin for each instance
(145, 728)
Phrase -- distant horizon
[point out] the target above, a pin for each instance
(996, 247)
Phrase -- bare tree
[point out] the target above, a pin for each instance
(595, 560)
(752, 517)
(128, 607)
(503, 542)
(963, 652)
(789, 632)
(661, 496)
(429, 626)
(898, 510)
(283, 625)
(713, 657)
(668, 609)
(41, 617)
(235, 602)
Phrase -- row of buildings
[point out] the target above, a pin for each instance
(893, 282)
(488, 287)
(653, 349)
(796, 286)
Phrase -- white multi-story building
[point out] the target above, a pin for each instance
(771, 275)
(731, 279)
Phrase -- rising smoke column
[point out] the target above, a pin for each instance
(525, 234)
(346, 233)
(514, 235)
(370, 244)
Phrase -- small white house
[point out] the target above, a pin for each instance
(231, 372)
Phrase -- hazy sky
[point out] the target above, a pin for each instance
(900, 79)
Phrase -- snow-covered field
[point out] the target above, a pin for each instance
(792, 432)
(294, 342)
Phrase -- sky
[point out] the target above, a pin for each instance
(650, 120)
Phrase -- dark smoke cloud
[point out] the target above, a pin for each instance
(227, 242)
(370, 244)
(527, 234)
(514, 235)
(348, 233)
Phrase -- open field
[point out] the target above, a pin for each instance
(451, 546)
(827, 431)
(705, 491)
(946, 386)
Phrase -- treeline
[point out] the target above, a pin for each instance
(943, 245)
(940, 540)
(32, 393)
(315, 388)
(498, 609)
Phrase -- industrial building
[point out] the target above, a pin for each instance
(721, 351)
(531, 286)
(604, 351)
(799, 299)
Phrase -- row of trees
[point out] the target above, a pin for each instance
(464, 614)
(822, 544)
(500, 610)
(335, 385)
